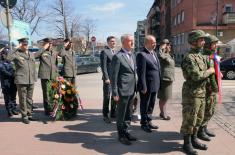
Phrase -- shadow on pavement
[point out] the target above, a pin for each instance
(94, 134)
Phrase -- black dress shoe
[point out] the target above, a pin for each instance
(32, 118)
(106, 120)
(130, 137)
(146, 128)
(25, 120)
(15, 112)
(10, 113)
(151, 126)
(162, 116)
(124, 141)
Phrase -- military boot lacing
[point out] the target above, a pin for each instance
(202, 134)
(188, 148)
(196, 144)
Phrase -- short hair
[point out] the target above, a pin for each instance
(147, 38)
(110, 37)
(124, 36)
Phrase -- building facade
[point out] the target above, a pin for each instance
(215, 17)
(139, 35)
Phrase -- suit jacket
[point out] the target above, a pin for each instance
(148, 71)
(25, 68)
(123, 75)
(69, 63)
(167, 66)
(48, 64)
(105, 60)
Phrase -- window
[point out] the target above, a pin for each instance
(182, 16)
(228, 8)
(178, 18)
(182, 38)
(178, 39)
(175, 21)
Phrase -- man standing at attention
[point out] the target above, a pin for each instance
(105, 59)
(196, 73)
(148, 70)
(123, 87)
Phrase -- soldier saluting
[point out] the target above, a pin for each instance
(196, 73)
(25, 77)
(47, 69)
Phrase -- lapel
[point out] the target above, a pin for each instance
(109, 53)
(127, 60)
(23, 55)
(155, 62)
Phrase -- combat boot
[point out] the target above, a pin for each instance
(208, 132)
(202, 134)
(188, 148)
(196, 144)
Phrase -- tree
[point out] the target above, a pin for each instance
(88, 30)
(28, 11)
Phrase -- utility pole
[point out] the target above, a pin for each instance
(217, 16)
(8, 23)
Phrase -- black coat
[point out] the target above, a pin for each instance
(148, 71)
(123, 75)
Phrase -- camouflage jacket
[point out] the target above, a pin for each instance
(194, 67)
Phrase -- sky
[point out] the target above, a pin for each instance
(112, 17)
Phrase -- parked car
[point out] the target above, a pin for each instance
(85, 64)
(227, 67)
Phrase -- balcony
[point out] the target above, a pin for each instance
(229, 18)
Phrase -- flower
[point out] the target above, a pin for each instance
(68, 91)
(63, 86)
(56, 96)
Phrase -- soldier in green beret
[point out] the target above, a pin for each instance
(25, 77)
(211, 90)
(196, 73)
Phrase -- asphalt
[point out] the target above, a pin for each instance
(88, 134)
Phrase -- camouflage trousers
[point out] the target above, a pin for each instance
(193, 109)
(211, 102)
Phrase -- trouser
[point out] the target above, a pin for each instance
(25, 93)
(45, 94)
(147, 102)
(106, 100)
(71, 79)
(193, 113)
(124, 112)
(211, 102)
(9, 94)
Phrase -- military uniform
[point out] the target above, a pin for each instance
(8, 86)
(69, 65)
(211, 92)
(25, 77)
(47, 71)
(196, 73)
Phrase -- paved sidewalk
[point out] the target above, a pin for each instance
(88, 134)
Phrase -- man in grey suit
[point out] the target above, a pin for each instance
(123, 87)
(105, 59)
(148, 70)
(47, 69)
(69, 61)
(25, 76)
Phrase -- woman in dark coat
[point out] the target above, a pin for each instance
(167, 77)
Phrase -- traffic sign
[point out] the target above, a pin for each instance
(12, 3)
(93, 38)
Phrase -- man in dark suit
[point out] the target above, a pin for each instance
(105, 59)
(123, 87)
(148, 70)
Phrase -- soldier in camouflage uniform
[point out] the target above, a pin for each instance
(47, 69)
(25, 77)
(211, 90)
(196, 72)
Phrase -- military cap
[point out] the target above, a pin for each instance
(210, 39)
(22, 40)
(67, 40)
(47, 40)
(195, 35)
(165, 41)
